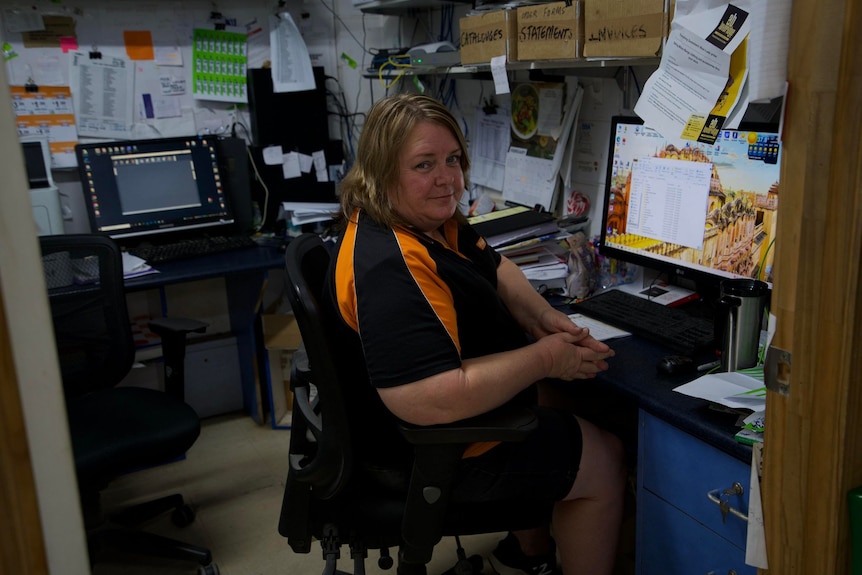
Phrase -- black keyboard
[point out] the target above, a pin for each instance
(190, 248)
(681, 332)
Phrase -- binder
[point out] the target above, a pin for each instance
(514, 225)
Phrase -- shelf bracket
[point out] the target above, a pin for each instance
(625, 85)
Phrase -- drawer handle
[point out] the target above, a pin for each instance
(717, 497)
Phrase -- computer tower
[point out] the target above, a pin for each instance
(234, 167)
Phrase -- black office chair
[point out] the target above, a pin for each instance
(116, 429)
(331, 496)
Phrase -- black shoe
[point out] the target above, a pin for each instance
(508, 559)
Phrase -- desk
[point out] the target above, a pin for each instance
(684, 450)
(244, 272)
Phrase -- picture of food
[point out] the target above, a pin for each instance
(525, 111)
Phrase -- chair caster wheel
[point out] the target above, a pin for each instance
(183, 516)
(211, 569)
(472, 565)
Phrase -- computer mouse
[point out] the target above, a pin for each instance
(676, 365)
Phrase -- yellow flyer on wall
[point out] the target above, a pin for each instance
(705, 129)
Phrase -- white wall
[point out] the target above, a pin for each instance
(335, 32)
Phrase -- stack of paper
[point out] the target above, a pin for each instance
(737, 390)
(516, 226)
(298, 213)
(133, 266)
(545, 263)
(531, 239)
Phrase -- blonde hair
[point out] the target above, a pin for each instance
(374, 174)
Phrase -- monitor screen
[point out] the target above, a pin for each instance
(697, 211)
(144, 187)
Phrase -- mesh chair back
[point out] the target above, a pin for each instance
(327, 466)
(84, 277)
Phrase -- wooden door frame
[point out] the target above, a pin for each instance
(812, 451)
(22, 547)
(39, 503)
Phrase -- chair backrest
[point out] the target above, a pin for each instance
(328, 465)
(84, 277)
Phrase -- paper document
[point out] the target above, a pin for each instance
(104, 94)
(488, 148)
(299, 213)
(600, 331)
(755, 540)
(291, 64)
(133, 266)
(731, 389)
(696, 85)
(659, 292)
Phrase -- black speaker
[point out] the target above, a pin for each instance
(234, 167)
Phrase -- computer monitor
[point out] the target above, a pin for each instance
(159, 186)
(696, 211)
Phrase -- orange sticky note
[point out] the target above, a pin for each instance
(139, 44)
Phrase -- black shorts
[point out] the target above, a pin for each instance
(542, 467)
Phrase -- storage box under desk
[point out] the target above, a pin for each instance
(213, 385)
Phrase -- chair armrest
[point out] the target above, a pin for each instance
(164, 326)
(437, 456)
(506, 423)
(173, 331)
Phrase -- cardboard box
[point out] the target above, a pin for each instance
(281, 338)
(550, 31)
(624, 28)
(486, 36)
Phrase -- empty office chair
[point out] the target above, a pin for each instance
(116, 429)
(331, 496)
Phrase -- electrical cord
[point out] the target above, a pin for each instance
(395, 64)
(340, 21)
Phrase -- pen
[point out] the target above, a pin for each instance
(708, 366)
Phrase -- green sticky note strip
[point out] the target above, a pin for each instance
(8, 51)
(350, 61)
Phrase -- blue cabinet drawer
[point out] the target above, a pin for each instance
(681, 470)
(672, 543)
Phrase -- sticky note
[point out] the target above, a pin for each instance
(139, 44)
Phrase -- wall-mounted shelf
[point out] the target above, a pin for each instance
(564, 66)
(399, 7)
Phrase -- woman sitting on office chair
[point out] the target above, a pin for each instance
(445, 324)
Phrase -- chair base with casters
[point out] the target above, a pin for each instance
(334, 497)
(117, 530)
